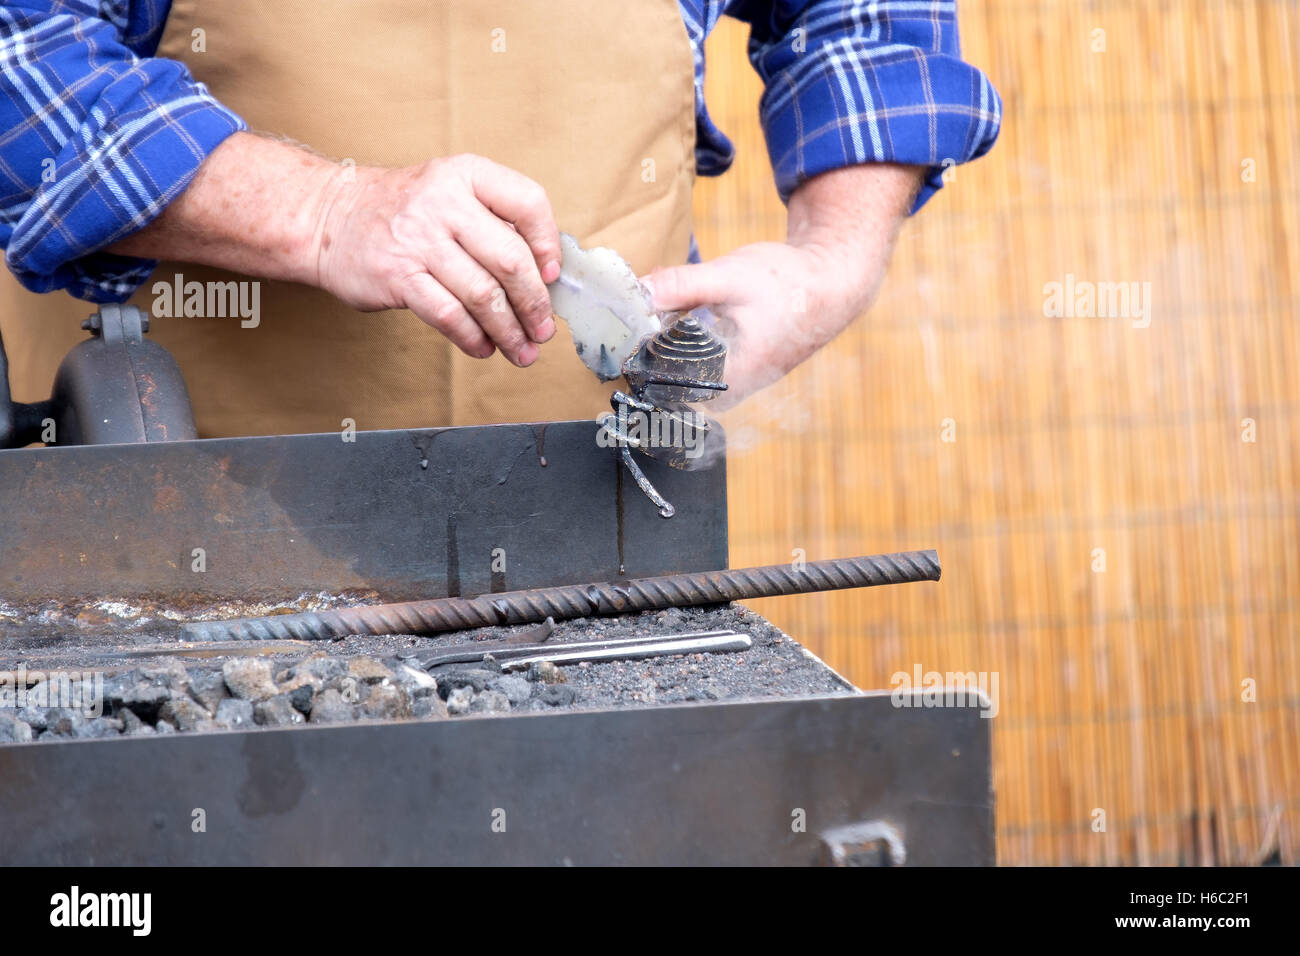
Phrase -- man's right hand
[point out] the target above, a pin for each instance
(464, 243)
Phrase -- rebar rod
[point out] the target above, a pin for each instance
(578, 600)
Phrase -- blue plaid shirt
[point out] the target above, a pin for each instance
(99, 135)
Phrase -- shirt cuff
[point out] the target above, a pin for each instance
(139, 160)
(854, 104)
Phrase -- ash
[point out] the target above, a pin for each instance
(382, 679)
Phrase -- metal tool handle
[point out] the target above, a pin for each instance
(633, 649)
(473, 651)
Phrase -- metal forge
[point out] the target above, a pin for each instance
(749, 750)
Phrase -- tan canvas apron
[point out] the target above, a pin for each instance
(592, 100)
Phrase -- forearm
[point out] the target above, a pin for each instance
(851, 217)
(255, 206)
(842, 225)
(464, 243)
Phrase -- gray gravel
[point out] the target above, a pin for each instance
(235, 714)
(382, 678)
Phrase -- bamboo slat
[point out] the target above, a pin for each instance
(1120, 690)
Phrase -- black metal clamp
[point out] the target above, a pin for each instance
(116, 386)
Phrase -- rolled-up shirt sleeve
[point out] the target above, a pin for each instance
(861, 81)
(96, 139)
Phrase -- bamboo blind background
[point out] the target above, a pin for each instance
(1119, 690)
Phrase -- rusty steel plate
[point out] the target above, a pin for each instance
(852, 779)
(406, 514)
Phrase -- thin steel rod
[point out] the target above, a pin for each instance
(635, 649)
(474, 651)
(578, 600)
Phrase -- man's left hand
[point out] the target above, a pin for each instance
(778, 303)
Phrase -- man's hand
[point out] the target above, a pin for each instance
(778, 303)
(465, 244)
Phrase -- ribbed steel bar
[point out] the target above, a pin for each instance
(578, 600)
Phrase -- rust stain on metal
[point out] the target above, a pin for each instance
(539, 432)
(166, 517)
(147, 391)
